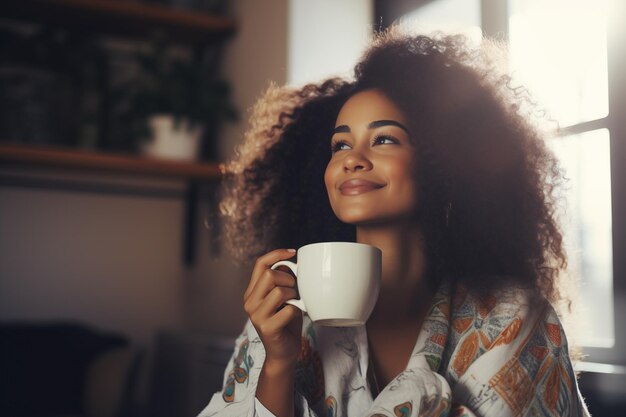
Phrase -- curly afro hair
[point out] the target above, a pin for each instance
(486, 180)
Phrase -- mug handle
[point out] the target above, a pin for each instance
(294, 268)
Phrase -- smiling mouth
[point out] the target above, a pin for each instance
(356, 187)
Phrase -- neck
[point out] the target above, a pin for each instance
(404, 293)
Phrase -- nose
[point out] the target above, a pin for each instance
(355, 161)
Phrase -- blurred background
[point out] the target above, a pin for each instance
(116, 298)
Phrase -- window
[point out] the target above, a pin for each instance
(565, 67)
(563, 64)
(569, 53)
(586, 219)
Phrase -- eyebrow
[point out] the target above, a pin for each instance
(372, 125)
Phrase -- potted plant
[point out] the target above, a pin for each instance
(173, 102)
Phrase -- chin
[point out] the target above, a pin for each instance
(360, 218)
(363, 220)
(354, 216)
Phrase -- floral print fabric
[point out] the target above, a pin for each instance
(504, 355)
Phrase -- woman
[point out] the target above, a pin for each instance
(426, 155)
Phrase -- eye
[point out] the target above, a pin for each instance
(382, 138)
(337, 146)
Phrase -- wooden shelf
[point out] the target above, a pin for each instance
(121, 18)
(109, 162)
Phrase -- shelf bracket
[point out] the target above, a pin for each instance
(189, 227)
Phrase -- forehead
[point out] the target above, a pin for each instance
(366, 106)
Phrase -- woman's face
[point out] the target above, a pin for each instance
(369, 177)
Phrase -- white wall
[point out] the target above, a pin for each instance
(254, 57)
(109, 260)
(326, 37)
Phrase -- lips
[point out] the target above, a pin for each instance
(357, 186)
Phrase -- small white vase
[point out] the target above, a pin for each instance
(173, 141)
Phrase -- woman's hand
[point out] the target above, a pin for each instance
(278, 325)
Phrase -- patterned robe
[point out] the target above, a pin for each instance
(504, 355)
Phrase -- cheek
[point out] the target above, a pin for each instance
(329, 174)
(327, 179)
(403, 176)
(333, 169)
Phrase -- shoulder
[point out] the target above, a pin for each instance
(501, 320)
(495, 312)
(511, 344)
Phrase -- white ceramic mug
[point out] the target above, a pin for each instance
(338, 282)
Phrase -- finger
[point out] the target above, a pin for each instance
(269, 306)
(274, 300)
(274, 325)
(285, 316)
(270, 279)
(264, 263)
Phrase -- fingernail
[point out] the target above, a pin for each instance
(291, 250)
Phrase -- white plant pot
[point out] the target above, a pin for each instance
(170, 141)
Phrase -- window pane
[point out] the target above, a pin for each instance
(452, 16)
(585, 159)
(558, 50)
